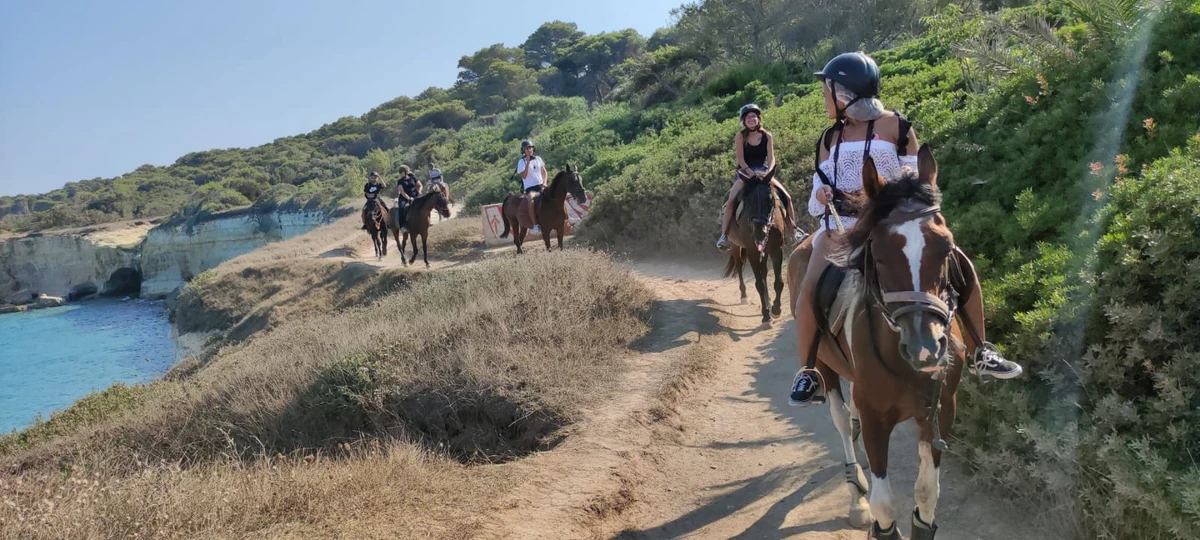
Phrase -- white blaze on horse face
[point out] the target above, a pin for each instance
(928, 485)
(914, 246)
(881, 501)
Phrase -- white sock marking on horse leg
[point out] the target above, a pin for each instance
(881, 501)
(928, 485)
(914, 245)
(841, 420)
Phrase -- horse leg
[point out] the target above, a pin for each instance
(856, 482)
(403, 247)
(876, 430)
(546, 238)
(741, 267)
(424, 247)
(519, 237)
(413, 236)
(383, 236)
(777, 263)
(928, 486)
(560, 237)
(760, 283)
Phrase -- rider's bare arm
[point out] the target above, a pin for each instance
(525, 170)
(741, 158)
(770, 153)
(821, 193)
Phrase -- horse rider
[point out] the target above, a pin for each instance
(408, 188)
(863, 127)
(755, 148)
(436, 180)
(532, 171)
(371, 191)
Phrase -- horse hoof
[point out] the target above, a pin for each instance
(860, 516)
(776, 312)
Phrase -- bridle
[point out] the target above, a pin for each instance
(943, 306)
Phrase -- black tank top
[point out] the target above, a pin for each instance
(755, 155)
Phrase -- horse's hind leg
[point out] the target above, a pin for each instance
(856, 483)
(414, 243)
(403, 247)
(740, 266)
(876, 430)
(777, 264)
(560, 238)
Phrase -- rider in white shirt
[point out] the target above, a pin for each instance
(532, 171)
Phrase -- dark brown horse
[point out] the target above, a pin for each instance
(416, 221)
(898, 344)
(376, 220)
(756, 235)
(550, 206)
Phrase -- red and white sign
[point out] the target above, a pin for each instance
(493, 219)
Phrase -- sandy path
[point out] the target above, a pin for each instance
(735, 461)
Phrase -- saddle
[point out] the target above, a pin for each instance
(523, 209)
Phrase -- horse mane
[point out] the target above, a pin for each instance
(421, 199)
(847, 249)
(760, 200)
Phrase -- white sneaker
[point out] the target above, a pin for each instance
(536, 230)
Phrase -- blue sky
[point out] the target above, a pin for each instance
(95, 89)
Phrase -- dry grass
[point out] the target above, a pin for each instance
(380, 490)
(469, 364)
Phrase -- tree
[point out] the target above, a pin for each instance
(591, 60)
(541, 49)
(502, 85)
(472, 67)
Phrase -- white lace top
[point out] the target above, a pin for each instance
(849, 171)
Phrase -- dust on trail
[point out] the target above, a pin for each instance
(733, 460)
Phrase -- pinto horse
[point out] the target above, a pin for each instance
(550, 208)
(897, 344)
(756, 235)
(416, 221)
(376, 220)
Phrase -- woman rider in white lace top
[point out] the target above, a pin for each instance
(851, 86)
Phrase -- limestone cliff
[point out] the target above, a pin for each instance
(123, 258)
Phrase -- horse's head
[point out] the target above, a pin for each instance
(906, 249)
(575, 183)
(760, 206)
(441, 203)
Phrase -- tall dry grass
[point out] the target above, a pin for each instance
(480, 365)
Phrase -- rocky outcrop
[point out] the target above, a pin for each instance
(138, 257)
(83, 259)
(173, 254)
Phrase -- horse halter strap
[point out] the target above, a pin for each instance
(915, 301)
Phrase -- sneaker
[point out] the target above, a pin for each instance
(403, 229)
(989, 362)
(804, 389)
(536, 230)
(798, 235)
(723, 243)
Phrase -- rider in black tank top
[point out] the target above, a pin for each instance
(755, 155)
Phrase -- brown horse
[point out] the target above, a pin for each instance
(550, 206)
(756, 235)
(416, 221)
(898, 344)
(376, 220)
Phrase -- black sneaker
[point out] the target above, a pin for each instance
(804, 390)
(989, 362)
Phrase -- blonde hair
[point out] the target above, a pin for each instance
(863, 110)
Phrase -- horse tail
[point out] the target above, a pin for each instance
(504, 218)
(735, 260)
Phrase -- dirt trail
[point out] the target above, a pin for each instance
(733, 460)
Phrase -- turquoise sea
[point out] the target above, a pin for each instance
(49, 358)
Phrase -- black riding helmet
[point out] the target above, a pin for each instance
(527, 144)
(747, 109)
(856, 71)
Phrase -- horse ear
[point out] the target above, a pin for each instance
(872, 183)
(927, 168)
(567, 167)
